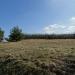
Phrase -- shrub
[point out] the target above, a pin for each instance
(1, 34)
(15, 34)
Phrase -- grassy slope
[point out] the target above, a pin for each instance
(35, 53)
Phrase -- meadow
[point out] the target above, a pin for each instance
(38, 57)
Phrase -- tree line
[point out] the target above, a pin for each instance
(16, 34)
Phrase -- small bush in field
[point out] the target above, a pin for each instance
(15, 34)
(1, 34)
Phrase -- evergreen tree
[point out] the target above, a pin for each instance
(15, 34)
(1, 34)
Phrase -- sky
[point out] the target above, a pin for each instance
(38, 16)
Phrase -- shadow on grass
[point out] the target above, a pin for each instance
(11, 66)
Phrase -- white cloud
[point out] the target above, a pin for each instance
(61, 28)
(72, 20)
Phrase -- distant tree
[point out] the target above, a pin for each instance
(15, 34)
(1, 35)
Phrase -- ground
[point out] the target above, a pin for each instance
(36, 53)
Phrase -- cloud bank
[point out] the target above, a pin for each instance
(61, 28)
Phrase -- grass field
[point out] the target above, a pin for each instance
(21, 58)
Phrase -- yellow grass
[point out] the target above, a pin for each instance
(31, 57)
(44, 50)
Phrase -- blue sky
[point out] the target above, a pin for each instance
(38, 16)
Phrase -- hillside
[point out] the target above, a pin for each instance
(38, 57)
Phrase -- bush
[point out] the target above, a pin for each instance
(1, 34)
(15, 34)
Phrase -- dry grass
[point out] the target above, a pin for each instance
(39, 48)
(36, 52)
